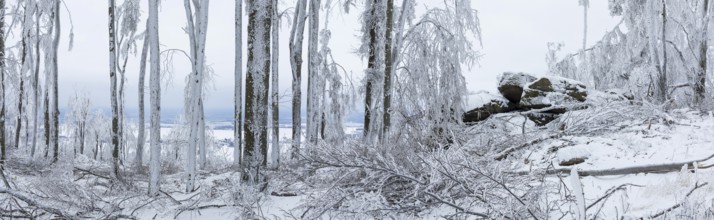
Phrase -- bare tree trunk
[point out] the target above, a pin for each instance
(700, 84)
(371, 68)
(2, 85)
(48, 128)
(238, 90)
(18, 125)
(36, 86)
(140, 139)
(663, 74)
(275, 153)
(296, 40)
(313, 112)
(388, 71)
(113, 88)
(55, 73)
(257, 84)
(155, 100)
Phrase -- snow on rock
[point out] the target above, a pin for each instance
(552, 90)
(496, 105)
(510, 85)
(572, 155)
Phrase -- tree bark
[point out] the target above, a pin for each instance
(371, 71)
(700, 84)
(55, 73)
(388, 62)
(113, 89)
(18, 125)
(257, 84)
(663, 73)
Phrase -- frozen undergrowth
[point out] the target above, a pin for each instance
(500, 168)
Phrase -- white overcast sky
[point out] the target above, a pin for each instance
(515, 37)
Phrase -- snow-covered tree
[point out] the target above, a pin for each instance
(314, 110)
(257, 83)
(141, 139)
(238, 83)
(373, 43)
(430, 84)
(296, 40)
(113, 87)
(155, 98)
(197, 19)
(79, 115)
(274, 99)
(55, 73)
(654, 40)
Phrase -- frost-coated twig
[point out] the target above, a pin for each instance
(696, 186)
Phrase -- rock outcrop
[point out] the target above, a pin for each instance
(523, 92)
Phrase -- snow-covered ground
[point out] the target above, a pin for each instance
(622, 138)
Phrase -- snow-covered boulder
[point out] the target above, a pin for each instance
(495, 106)
(510, 85)
(552, 91)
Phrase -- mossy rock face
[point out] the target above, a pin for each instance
(542, 84)
(488, 109)
(577, 91)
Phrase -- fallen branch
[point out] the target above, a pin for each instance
(696, 186)
(80, 170)
(656, 168)
(36, 204)
(508, 151)
(2, 174)
(464, 210)
(199, 208)
(170, 197)
(283, 194)
(609, 192)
